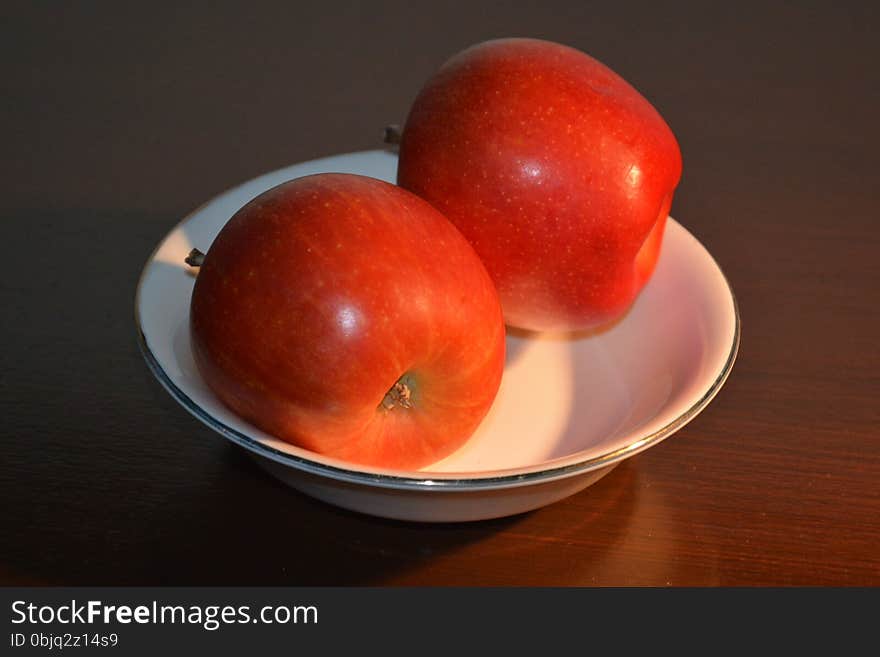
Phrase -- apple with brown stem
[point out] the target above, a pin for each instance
(349, 317)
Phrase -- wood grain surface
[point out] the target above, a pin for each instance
(119, 118)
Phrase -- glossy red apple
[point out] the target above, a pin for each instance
(349, 317)
(558, 172)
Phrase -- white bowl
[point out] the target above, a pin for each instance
(569, 408)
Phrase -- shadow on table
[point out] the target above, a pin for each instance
(273, 534)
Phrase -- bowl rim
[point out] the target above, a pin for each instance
(451, 482)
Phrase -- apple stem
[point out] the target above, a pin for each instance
(195, 258)
(399, 395)
(392, 134)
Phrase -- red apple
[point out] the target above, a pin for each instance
(557, 171)
(349, 317)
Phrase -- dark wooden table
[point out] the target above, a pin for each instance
(118, 120)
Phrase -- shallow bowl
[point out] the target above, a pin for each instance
(570, 407)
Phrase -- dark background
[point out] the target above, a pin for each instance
(118, 119)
